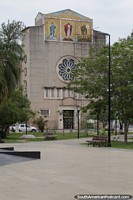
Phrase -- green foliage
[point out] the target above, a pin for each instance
(11, 56)
(40, 122)
(122, 145)
(122, 78)
(14, 109)
(16, 137)
(12, 31)
(91, 79)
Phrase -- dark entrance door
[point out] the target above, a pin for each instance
(68, 119)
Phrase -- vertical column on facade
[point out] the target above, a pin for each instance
(60, 30)
(61, 93)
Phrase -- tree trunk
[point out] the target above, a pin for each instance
(121, 127)
(116, 127)
(97, 124)
(125, 131)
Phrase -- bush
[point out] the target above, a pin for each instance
(40, 122)
(3, 135)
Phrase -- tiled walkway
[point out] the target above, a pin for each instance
(66, 168)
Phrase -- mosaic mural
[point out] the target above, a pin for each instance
(74, 27)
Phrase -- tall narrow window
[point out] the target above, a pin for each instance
(58, 93)
(52, 92)
(25, 71)
(72, 94)
(64, 93)
(46, 92)
(25, 84)
(69, 93)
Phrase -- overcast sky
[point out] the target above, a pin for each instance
(111, 16)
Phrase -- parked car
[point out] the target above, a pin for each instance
(130, 129)
(12, 128)
(23, 128)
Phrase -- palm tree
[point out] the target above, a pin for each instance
(11, 56)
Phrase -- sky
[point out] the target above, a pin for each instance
(114, 17)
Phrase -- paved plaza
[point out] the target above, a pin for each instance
(66, 168)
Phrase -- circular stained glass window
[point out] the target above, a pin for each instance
(65, 69)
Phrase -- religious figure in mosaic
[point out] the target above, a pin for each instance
(52, 29)
(68, 29)
(84, 30)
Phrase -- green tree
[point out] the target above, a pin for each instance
(41, 123)
(14, 109)
(13, 105)
(91, 79)
(122, 81)
(11, 56)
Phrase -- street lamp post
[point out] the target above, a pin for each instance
(78, 110)
(78, 123)
(26, 126)
(109, 92)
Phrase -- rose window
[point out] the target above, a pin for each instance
(65, 69)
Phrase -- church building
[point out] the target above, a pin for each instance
(53, 48)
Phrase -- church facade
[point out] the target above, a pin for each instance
(52, 48)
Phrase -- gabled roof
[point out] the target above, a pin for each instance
(69, 14)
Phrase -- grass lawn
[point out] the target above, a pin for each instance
(118, 144)
(16, 137)
(122, 145)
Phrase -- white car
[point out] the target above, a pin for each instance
(130, 129)
(23, 128)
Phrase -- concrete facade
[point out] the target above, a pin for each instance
(48, 62)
